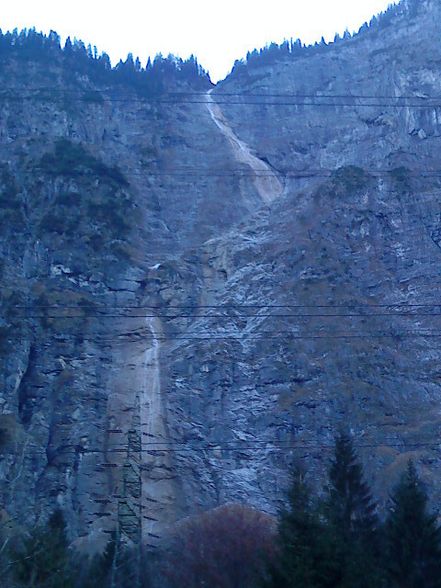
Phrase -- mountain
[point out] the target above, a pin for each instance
(202, 285)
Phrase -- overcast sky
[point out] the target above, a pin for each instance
(217, 32)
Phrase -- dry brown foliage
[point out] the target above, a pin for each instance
(227, 547)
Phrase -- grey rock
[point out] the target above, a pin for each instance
(172, 343)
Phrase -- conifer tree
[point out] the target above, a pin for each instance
(300, 561)
(68, 47)
(43, 560)
(413, 537)
(350, 499)
(352, 524)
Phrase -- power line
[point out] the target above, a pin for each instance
(274, 447)
(221, 93)
(223, 173)
(289, 95)
(137, 338)
(94, 93)
(87, 312)
(255, 443)
(223, 316)
(170, 101)
(234, 306)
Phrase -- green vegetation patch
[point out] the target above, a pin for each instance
(8, 188)
(345, 183)
(68, 199)
(351, 178)
(96, 213)
(56, 221)
(72, 159)
(5, 333)
(10, 430)
(54, 305)
(10, 202)
(92, 96)
(401, 177)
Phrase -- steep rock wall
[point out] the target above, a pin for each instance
(158, 350)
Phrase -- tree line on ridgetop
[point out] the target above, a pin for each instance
(75, 57)
(338, 539)
(156, 75)
(294, 49)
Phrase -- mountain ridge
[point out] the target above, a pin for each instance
(143, 275)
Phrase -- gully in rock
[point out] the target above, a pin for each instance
(157, 485)
(268, 185)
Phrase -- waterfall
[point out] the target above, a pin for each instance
(156, 471)
(267, 183)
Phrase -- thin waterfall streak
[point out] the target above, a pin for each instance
(266, 181)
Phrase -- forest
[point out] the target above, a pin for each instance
(155, 76)
(292, 49)
(75, 58)
(339, 538)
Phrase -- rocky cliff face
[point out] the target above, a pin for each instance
(197, 292)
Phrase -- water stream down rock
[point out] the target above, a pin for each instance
(265, 179)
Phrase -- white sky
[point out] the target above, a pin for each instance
(217, 32)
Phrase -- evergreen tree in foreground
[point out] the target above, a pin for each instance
(350, 501)
(413, 537)
(352, 534)
(300, 561)
(43, 560)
